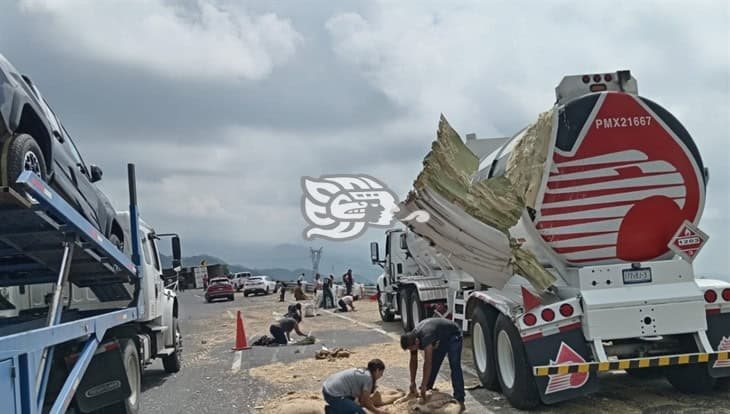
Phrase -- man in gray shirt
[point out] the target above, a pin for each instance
(341, 389)
(437, 338)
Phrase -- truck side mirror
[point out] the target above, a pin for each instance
(96, 173)
(374, 253)
(176, 254)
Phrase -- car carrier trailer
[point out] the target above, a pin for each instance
(57, 359)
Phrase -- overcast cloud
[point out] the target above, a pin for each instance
(223, 105)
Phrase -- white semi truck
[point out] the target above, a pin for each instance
(565, 250)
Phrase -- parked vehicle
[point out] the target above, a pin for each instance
(259, 284)
(239, 279)
(34, 139)
(589, 270)
(219, 287)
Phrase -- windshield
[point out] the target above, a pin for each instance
(219, 281)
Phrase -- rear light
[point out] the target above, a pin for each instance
(547, 314)
(607, 77)
(726, 295)
(586, 78)
(598, 87)
(529, 319)
(596, 78)
(566, 309)
(710, 296)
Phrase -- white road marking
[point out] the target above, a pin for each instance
(230, 314)
(237, 362)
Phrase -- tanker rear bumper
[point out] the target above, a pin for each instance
(633, 363)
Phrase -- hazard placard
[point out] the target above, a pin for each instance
(688, 241)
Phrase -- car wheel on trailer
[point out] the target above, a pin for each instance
(117, 241)
(482, 331)
(385, 314)
(513, 371)
(173, 362)
(405, 311)
(130, 358)
(21, 153)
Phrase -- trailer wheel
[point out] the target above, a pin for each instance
(385, 314)
(130, 357)
(482, 330)
(514, 372)
(405, 311)
(173, 362)
(418, 313)
(690, 379)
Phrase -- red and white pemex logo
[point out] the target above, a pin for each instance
(562, 382)
(723, 346)
(623, 189)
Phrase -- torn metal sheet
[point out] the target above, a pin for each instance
(470, 222)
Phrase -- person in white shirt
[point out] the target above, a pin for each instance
(345, 303)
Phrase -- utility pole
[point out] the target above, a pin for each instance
(315, 254)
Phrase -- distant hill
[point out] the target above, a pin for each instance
(276, 273)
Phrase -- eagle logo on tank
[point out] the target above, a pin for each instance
(562, 382)
(623, 187)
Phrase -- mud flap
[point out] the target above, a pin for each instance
(104, 383)
(560, 348)
(718, 332)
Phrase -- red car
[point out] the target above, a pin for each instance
(219, 287)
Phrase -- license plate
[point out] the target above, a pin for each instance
(632, 276)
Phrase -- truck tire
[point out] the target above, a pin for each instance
(418, 312)
(385, 314)
(21, 153)
(513, 371)
(482, 332)
(130, 357)
(691, 378)
(173, 362)
(405, 310)
(646, 373)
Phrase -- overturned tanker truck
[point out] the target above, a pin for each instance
(565, 250)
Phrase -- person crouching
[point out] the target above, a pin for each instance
(345, 389)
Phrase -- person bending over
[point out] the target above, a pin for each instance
(345, 389)
(437, 338)
(281, 329)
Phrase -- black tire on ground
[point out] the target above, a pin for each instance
(691, 378)
(646, 373)
(21, 153)
(173, 362)
(418, 311)
(232, 297)
(245, 294)
(267, 291)
(482, 336)
(385, 314)
(405, 310)
(130, 358)
(520, 390)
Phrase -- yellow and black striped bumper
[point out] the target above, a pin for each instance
(658, 361)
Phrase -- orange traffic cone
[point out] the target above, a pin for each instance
(241, 341)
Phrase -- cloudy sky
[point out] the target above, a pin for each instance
(224, 105)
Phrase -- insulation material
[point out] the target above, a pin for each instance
(526, 163)
(469, 222)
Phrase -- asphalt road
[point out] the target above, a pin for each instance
(215, 379)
